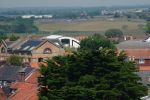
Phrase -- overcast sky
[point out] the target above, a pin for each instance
(69, 3)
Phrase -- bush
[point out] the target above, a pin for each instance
(13, 37)
(95, 42)
(113, 33)
(15, 60)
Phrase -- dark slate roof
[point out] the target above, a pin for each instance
(133, 44)
(29, 45)
(10, 73)
(144, 76)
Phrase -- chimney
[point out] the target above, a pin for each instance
(21, 75)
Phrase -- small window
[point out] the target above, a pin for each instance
(65, 41)
(47, 51)
(40, 59)
(141, 61)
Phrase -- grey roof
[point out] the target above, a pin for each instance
(144, 76)
(134, 44)
(8, 43)
(10, 73)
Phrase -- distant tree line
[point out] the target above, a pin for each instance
(11, 37)
(17, 25)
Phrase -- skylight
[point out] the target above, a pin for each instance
(26, 47)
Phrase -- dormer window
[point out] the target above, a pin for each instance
(47, 51)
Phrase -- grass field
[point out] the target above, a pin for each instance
(96, 25)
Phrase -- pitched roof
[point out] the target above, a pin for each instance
(134, 44)
(2, 94)
(30, 45)
(10, 73)
(16, 44)
(8, 43)
(33, 78)
(25, 91)
(138, 53)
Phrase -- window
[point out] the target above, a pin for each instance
(47, 51)
(40, 59)
(3, 50)
(141, 61)
(75, 44)
(65, 42)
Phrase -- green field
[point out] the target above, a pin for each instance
(95, 25)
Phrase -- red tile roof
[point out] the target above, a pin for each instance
(33, 77)
(27, 90)
(2, 94)
(138, 53)
(35, 65)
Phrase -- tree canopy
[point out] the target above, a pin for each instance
(95, 42)
(90, 75)
(113, 33)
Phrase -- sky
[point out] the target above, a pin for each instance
(70, 3)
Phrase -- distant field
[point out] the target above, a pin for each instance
(96, 25)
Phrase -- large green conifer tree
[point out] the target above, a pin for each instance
(90, 75)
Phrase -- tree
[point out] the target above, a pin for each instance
(148, 27)
(90, 75)
(15, 60)
(13, 37)
(113, 33)
(95, 42)
(3, 37)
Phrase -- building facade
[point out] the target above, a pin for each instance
(138, 51)
(30, 50)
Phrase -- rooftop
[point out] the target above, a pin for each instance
(27, 90)
(30, 45)
(144, 76)
(134, 44)
(10, 73)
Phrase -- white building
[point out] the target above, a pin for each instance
(66, 41)
(36, 16)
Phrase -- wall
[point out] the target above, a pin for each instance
(38, 53)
